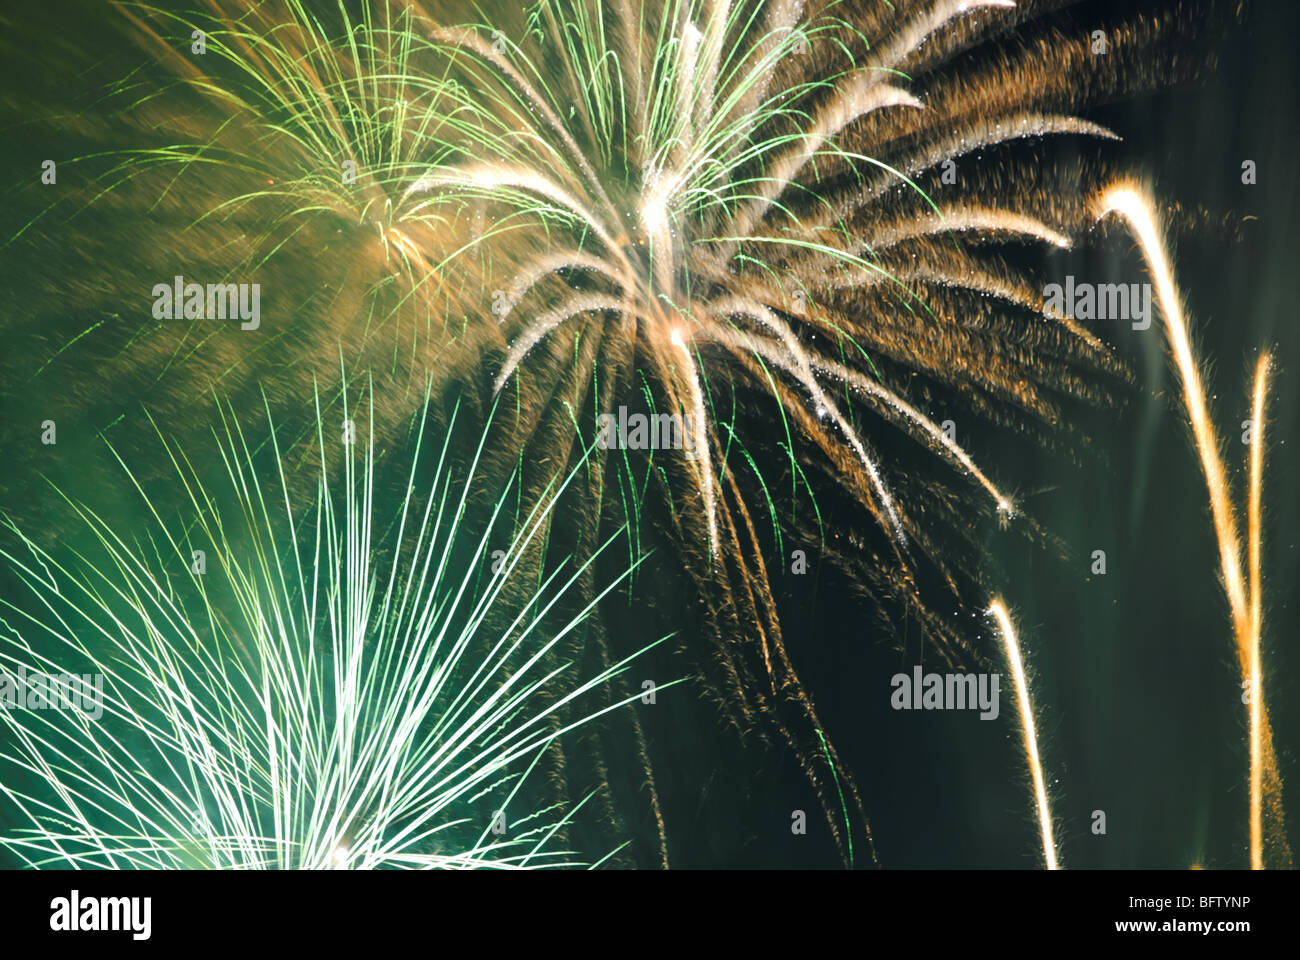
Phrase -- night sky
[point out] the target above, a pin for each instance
(1135, 679)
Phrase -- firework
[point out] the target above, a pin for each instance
(276, 157)
(999, 612)
(346, 686)
(738, 202)
(1254, 670)
(1243, 590)
(720, 209)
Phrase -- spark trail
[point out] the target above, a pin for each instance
(1134, 204)
(1254, 669)
(999, 611)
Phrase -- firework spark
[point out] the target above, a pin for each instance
(999, 611)
(1254, 670)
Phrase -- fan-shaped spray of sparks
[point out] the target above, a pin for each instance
(690, 152)
(730, 195)
(332, 697)
(999, 612)
(1244, 592)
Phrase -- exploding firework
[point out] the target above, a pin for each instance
(745, 202)
(730, 212)
(345, 686)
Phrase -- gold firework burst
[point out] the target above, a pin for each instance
(708, 197)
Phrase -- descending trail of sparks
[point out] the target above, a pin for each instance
(1254, 671)
(999, 611)
(677, 337)
(1126, 200)
(798, 363)
(1244, 599)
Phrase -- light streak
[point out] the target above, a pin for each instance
(999, 612)
(1244, 598)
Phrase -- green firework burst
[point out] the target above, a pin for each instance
(345, 686)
